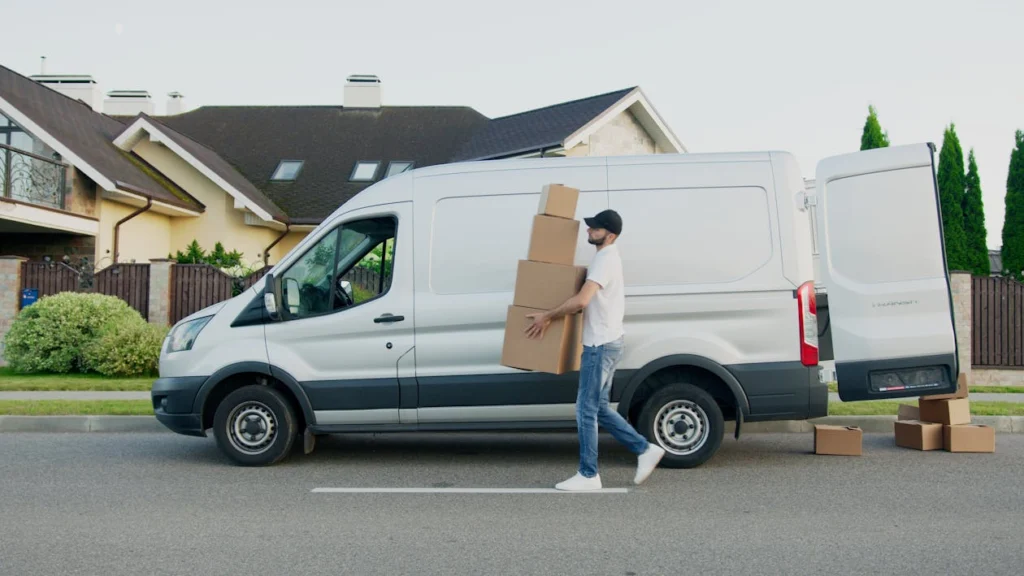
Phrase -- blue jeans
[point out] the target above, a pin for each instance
(596, 370)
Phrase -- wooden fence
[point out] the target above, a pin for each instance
(129, 282)
(997, 313)
(196, 286)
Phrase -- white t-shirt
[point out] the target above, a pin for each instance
(602, 319)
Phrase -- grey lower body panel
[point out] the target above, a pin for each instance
(781, 390)
(899, 378)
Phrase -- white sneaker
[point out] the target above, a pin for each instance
(647, 462)
(580, 483)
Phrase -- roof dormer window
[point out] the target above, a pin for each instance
(287, 171)
(365, 171)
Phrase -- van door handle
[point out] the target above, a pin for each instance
(387, 319)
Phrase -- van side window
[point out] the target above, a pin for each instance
(350, 265)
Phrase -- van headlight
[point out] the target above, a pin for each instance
(184, 335)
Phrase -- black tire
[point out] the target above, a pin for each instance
(269, 421)
(685, 444)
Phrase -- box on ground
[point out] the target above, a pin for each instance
(948, 412)
(559, 201)
(961, 391)
(558, 352)
(969, 438)
(918, 435)
(546, 286)
(838, 440)
(908, 412)
(553, 240)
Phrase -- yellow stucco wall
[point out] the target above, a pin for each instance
(221, 222)
(285, 246)
(143, 238)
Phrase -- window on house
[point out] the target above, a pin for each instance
(287, 170)
(365, 171)
(397, 167)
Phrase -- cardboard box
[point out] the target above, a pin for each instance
(838, 440)
(918, 435)
(908, 412)
(546, 286)
(969, 438)
(553, 240)
(961, 391)
(559, 201)
(948, 412)
(558, 352)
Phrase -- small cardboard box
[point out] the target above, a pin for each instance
(558, 201)
(558, 352)
(908, 412)
(553, 240)
(918, 435)
(961, 391)
(948, 412)
(969, 438)
(838, 440)
(546, 286)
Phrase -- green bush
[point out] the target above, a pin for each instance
(52, 334)
(131, 349)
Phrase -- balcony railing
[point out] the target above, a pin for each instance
(30, 178)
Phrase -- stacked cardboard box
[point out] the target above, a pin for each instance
(943, 421)
(545, 280)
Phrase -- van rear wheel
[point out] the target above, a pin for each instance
(686, 422)
(255, 426)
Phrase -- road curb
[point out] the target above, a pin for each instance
(81, 424)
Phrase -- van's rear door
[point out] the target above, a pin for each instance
(883, 264)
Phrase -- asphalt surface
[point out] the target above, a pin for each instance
(166, 504)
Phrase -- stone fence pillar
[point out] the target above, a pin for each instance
(962, 300)
(10, 296)
(160, 291)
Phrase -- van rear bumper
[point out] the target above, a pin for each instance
(782, 391)
(173, 400)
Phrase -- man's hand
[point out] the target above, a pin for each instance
(541, 321)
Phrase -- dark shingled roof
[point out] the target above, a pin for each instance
(329, 140)
(219, 166)
(536, 129)
(89, 134)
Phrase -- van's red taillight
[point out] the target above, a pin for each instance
(808, 310)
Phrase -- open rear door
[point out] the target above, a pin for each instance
(883, 263)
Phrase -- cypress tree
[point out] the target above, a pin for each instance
(974, 220)
(951, 194)
(873, 137)
(1013, 225)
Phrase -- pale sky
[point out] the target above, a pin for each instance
(780, 75)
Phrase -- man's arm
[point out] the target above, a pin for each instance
(542, 320)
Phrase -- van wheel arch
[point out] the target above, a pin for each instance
(231, 378)
(697, 370)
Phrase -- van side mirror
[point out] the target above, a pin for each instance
(270, 297)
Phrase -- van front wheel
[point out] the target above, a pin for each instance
(255, 426)
(686, 422)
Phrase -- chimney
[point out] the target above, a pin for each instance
(78, 86)
(175, 103)
(362, 91)
(127, 103)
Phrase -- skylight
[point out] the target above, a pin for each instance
(365, 171)
(397, 167)
(287, 170)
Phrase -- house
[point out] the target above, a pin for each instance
(123, 184)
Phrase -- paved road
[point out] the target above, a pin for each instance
(166, 504)
(82, 395)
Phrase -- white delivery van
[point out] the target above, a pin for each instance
(389, 316)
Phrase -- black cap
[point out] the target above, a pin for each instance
(607, 220)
